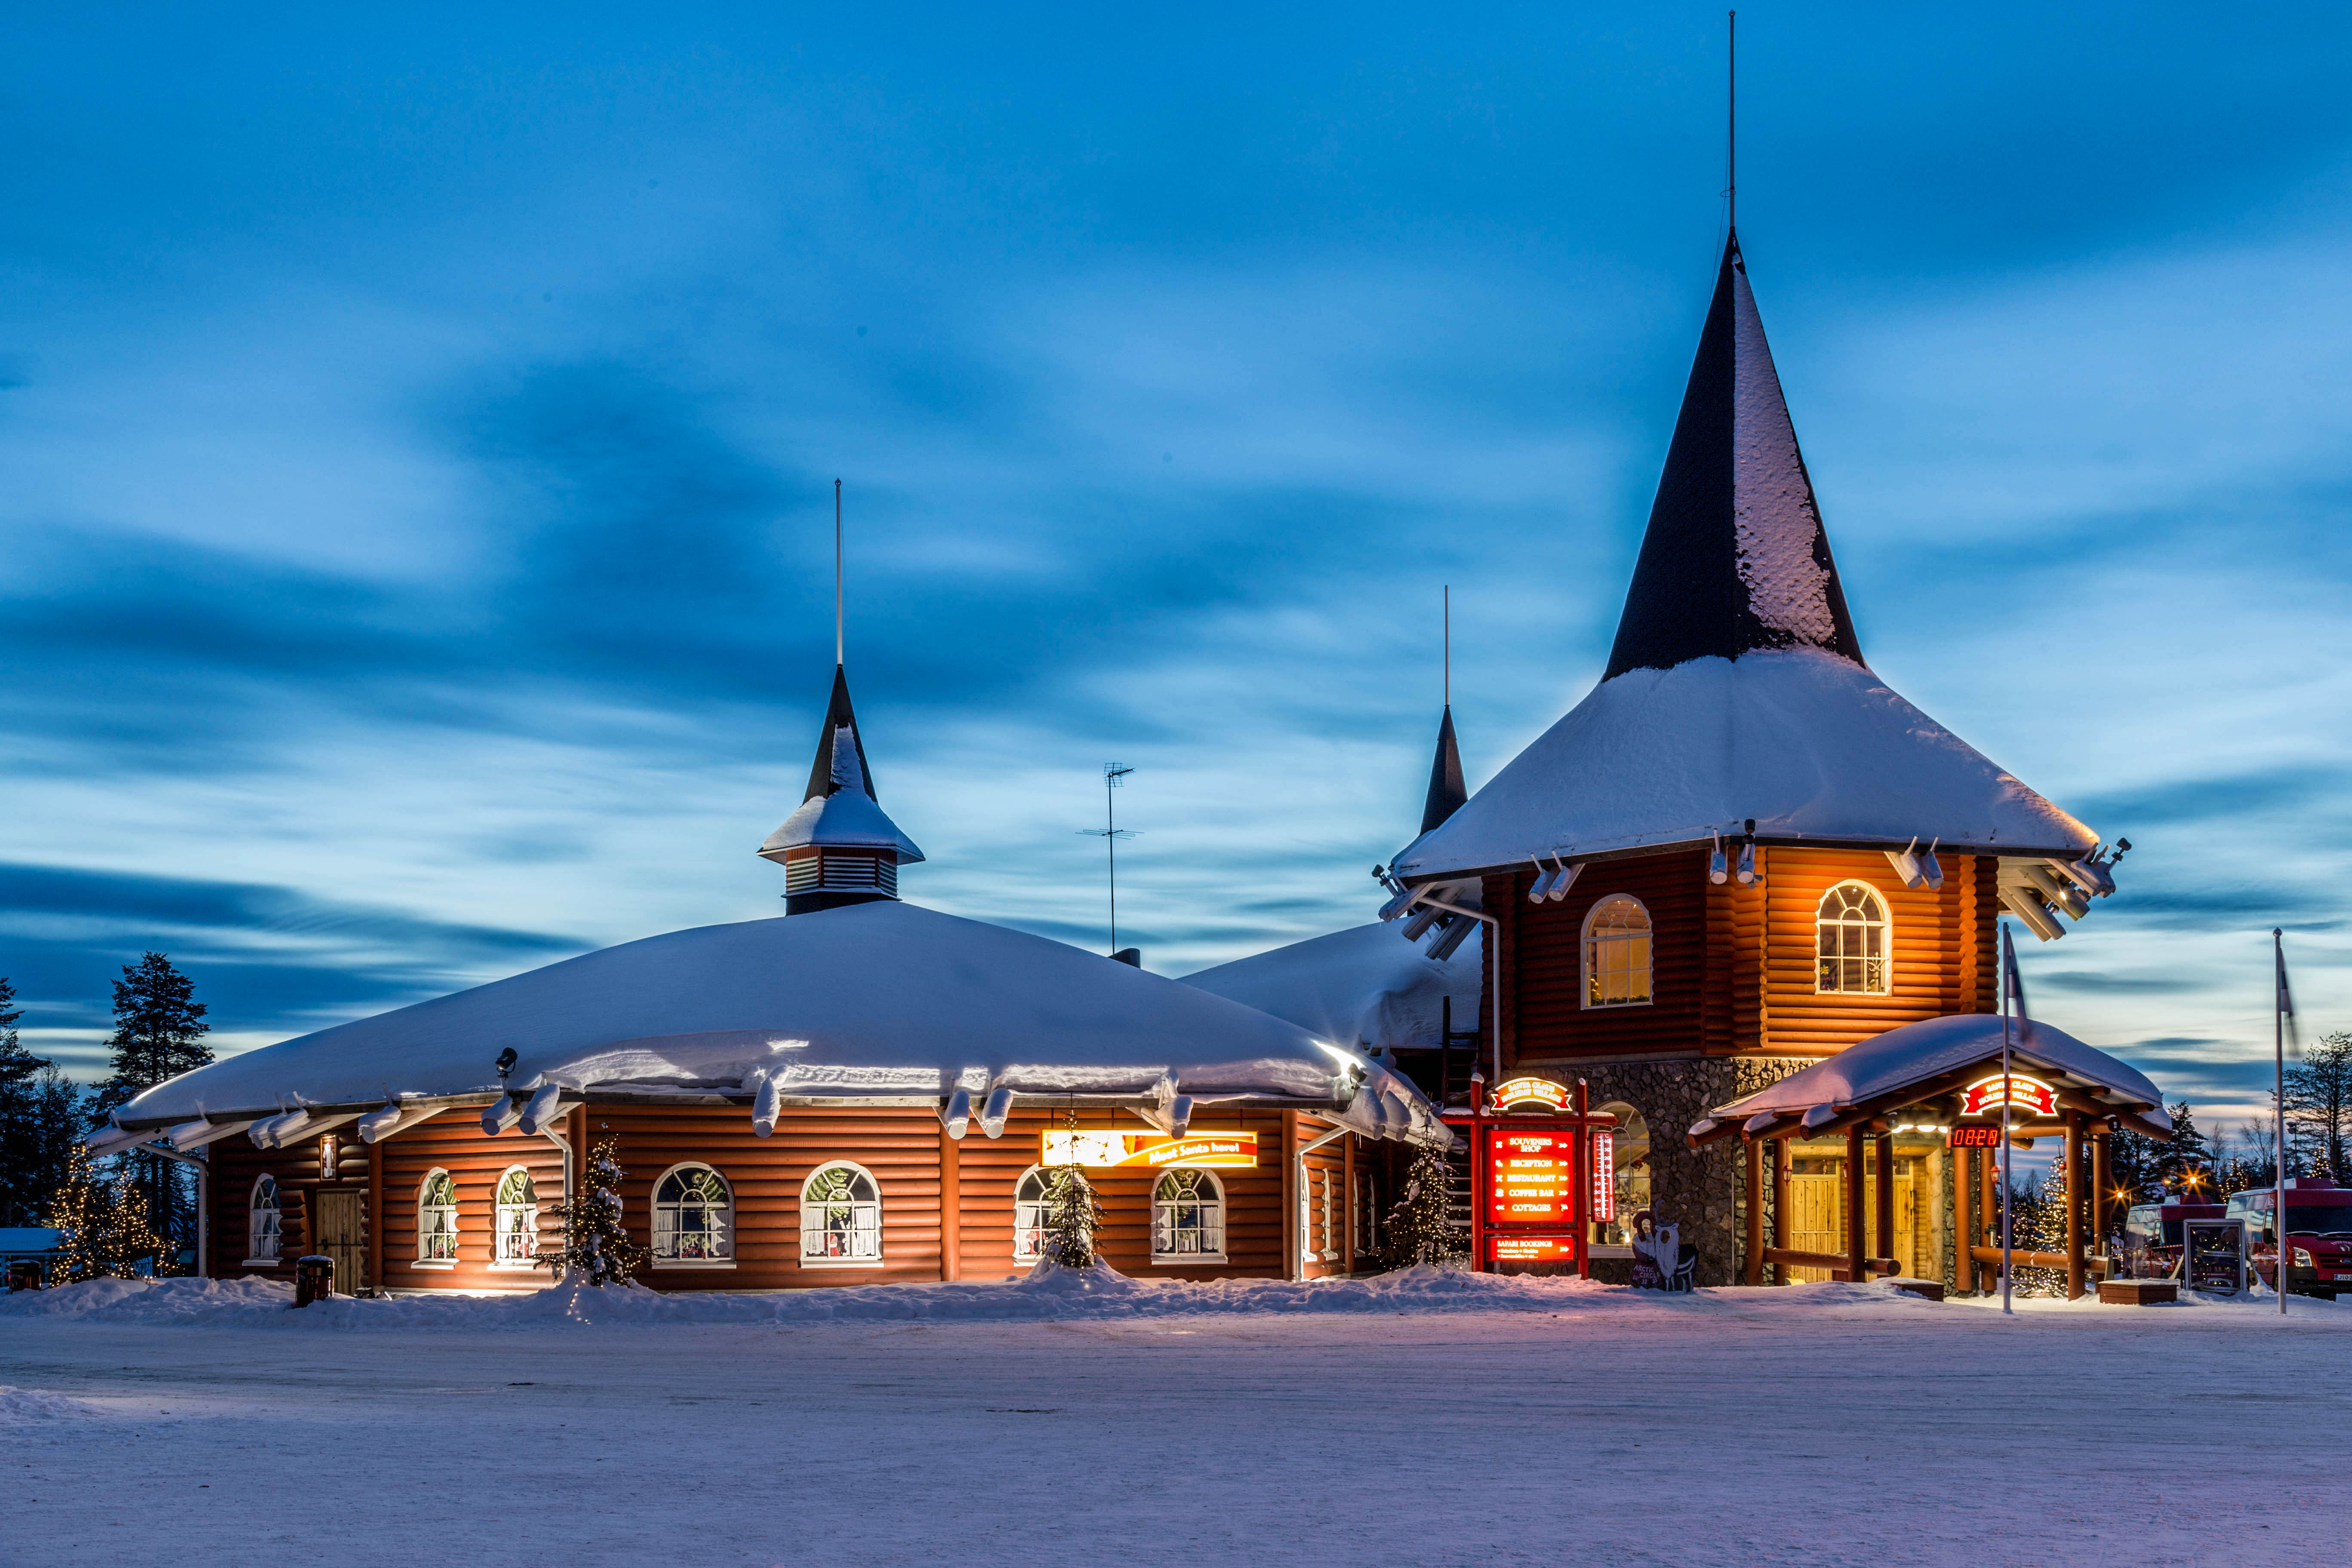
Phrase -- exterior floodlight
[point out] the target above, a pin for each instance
(1540, 889)
(506, 1063)
(1930, 872)
(1453, 936)
(1716, 870)
(1563, 878)
(1746, 872)
(1423, 918)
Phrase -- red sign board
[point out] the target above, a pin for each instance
(1531, 1248)
(1985, 1097)
(1983, 1135)
(1531, 1177)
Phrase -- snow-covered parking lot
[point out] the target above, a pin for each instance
(1420, 1418)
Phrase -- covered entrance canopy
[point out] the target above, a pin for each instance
(1923, 1081)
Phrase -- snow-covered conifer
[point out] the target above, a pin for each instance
(1420, 1226)
(597, 1249)
(1072, 1212)
(102, 1225)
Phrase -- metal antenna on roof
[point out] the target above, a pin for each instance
(837, 574)
(1449, 645)
(1110, 833)
(1731, 118)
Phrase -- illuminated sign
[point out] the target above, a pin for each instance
(1531, 1248)
(1605, 1175)
(1530, 1091)
(1151, 1151)
(1531, 1177)
(1983, 1136)
(2028, 1094)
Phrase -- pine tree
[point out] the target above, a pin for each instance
(102, 1225)
(1420, 1226)
(20, 1108)
(159, 1030)
(1072, 1213)
(2184, 1155)
(2319, 1103)
(597, 1247)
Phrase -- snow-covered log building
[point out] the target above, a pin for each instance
(858, 1091)
(1742, 852)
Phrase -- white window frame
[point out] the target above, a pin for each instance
(726, 1228)
(1584, 944)
(501, 1210)
(255, 1257)
(423, 1190)
(1217, 1206)
(823, 1260)
(1034, 1230)
(1886, 987)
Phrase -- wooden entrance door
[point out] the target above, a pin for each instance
(340, 1234)
(1817, 1219)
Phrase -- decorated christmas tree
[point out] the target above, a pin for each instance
(1072, 1212)
(597, 1249)
(101, 1222)
(1420, 1226)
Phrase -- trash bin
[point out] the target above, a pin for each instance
(25, 1274)
(314, 1280)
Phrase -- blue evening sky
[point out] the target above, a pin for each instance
(419, 428)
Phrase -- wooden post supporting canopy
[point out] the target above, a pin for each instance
(1855, 1252)
(1964, 1267)
(1755, 1211)
(1883, 1209)
(1780, 1205)
(2074, 1204)
(2104, 1223)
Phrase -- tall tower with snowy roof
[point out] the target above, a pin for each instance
(839, 847)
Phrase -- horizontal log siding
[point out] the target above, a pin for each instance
(233, 1164)
(1941, 941)
(1326, 1174)
(453, 1141)
(1543, 967)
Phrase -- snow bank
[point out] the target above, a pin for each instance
(1808, 744)
(1365, 986)
(882, 999)
(21, 1404)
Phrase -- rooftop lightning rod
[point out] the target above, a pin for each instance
(1449, 645)
(1731, 118)
(836, 573)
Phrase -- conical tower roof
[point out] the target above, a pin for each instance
(840, 811)
(1736, 692)
(1736, 558)
(1447, 793)
(838, 716)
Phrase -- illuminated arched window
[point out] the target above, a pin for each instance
(437, 1218)
(1187, 1219)
(841, 1219)
(518, 1219)
(1617, 953)
(261, 1229)
(694, 1216)
(1851, 940)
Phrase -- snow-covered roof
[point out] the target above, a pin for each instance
(883, 1000)
(849, 817)
(1736, 689)
(24, 1238)
(1914, 1054)
(1810, 745)
(1365, 986)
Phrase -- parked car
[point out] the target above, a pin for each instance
(2318, 1229)
(2152, 1235)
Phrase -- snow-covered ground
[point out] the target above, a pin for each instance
(1422, 1418)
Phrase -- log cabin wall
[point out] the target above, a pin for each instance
(453, 1142)
(1733, 968)
(232, 1166)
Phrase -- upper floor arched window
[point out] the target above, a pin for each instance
(437, 1219)
(1187, 1219)
(841, 1217)
(1617, 953)
(694, 1216)
(261, 1227)
(517, 1220)
(1850, 941)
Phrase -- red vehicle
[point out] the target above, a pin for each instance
(2318, 1230)
(2152, 1235)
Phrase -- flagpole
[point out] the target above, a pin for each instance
(2008, 963)
(2280, 1252)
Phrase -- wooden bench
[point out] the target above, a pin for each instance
(2138, 1292)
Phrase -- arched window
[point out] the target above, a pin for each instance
(1617, 953)
(436, 1220)
(1187, 1219)
(1029, 1216)
(261, 1231)
(694, 1216)
(841, 1219)
(518, 1219)
(1851, 940)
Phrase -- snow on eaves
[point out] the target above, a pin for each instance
(1366, 986)
(1889, 1063)
(882, 1000)
(1808, 744)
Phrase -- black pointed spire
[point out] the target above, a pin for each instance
(837, 716)
(1445, 792)
(1735, 559)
